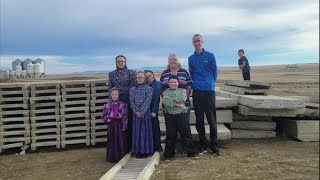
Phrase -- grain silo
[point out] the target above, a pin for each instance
(25, 63)
(16, 63)
(42, 65)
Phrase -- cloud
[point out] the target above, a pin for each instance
(146, 32)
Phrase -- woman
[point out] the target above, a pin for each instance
(185, 82)
(140, 99)
(123, 79)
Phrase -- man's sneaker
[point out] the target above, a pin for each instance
(203, 151)
(193, 155)
(216, 153)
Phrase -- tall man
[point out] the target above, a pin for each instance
(244, 65)
(203, 71)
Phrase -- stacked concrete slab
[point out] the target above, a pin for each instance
(14, 116)
(248, 127)
(304, 127)
(99, 96)
(75, 114)
(246, 87)
(253, 116)
(224, 116)
(45, 115)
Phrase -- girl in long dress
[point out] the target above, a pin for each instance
(115, 114)
(140, 99)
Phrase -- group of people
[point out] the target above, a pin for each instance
(132, 110)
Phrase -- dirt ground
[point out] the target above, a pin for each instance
(277, 158)
(74, 164)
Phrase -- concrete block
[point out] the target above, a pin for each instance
(248, 134)
(249, 111)
(69, 91)
(9, 107)
(241, 117)
(248, 84)
(16, 100)
(76, 97)
(75, 110)
(21, 120)
(41, 132)
(67, 104)
(223, 116)
(55, 137)
(221, 102)
(45, 92)
(223, 132)
(75, 84)
(304, 98)
(65, 124)
(45, 112)
(264, 102)
(69, 130)
(312, 106)
(81, 141)
(66, 117)
(303, 130)
(16, 113)
(254, 125)
(34, 146)
(98, 83)
(41, 99)
(242, 90)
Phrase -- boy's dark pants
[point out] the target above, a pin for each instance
(246, 75)
(204, 102)
(177, 123)
(156, 133)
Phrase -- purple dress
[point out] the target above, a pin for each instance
(142, 139)
(115, 114)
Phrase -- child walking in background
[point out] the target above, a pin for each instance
(176, 119)
(115, 114)
(140, 99)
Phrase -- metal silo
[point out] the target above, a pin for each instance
(25, 63)
(16, 63)
(42, 63)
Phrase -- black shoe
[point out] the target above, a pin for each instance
(216, 153)
(193, 155)
(138, 156)
(167, 159)
(203, 151)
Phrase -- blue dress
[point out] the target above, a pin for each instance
(142, 139)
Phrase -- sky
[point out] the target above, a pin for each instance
(82, 35)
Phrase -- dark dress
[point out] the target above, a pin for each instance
(142, 139)
(115, 115)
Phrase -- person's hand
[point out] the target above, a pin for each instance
(153, 114)
(138, 114)
(109, 120)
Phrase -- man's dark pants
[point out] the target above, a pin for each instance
(204, 104)
(246, 75)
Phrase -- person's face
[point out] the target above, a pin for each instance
(140, 78)
(173, 84)
(121, 62)
(149, 77)
(114, 95)
(173, 61)
(197, 42)
(240, 53)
